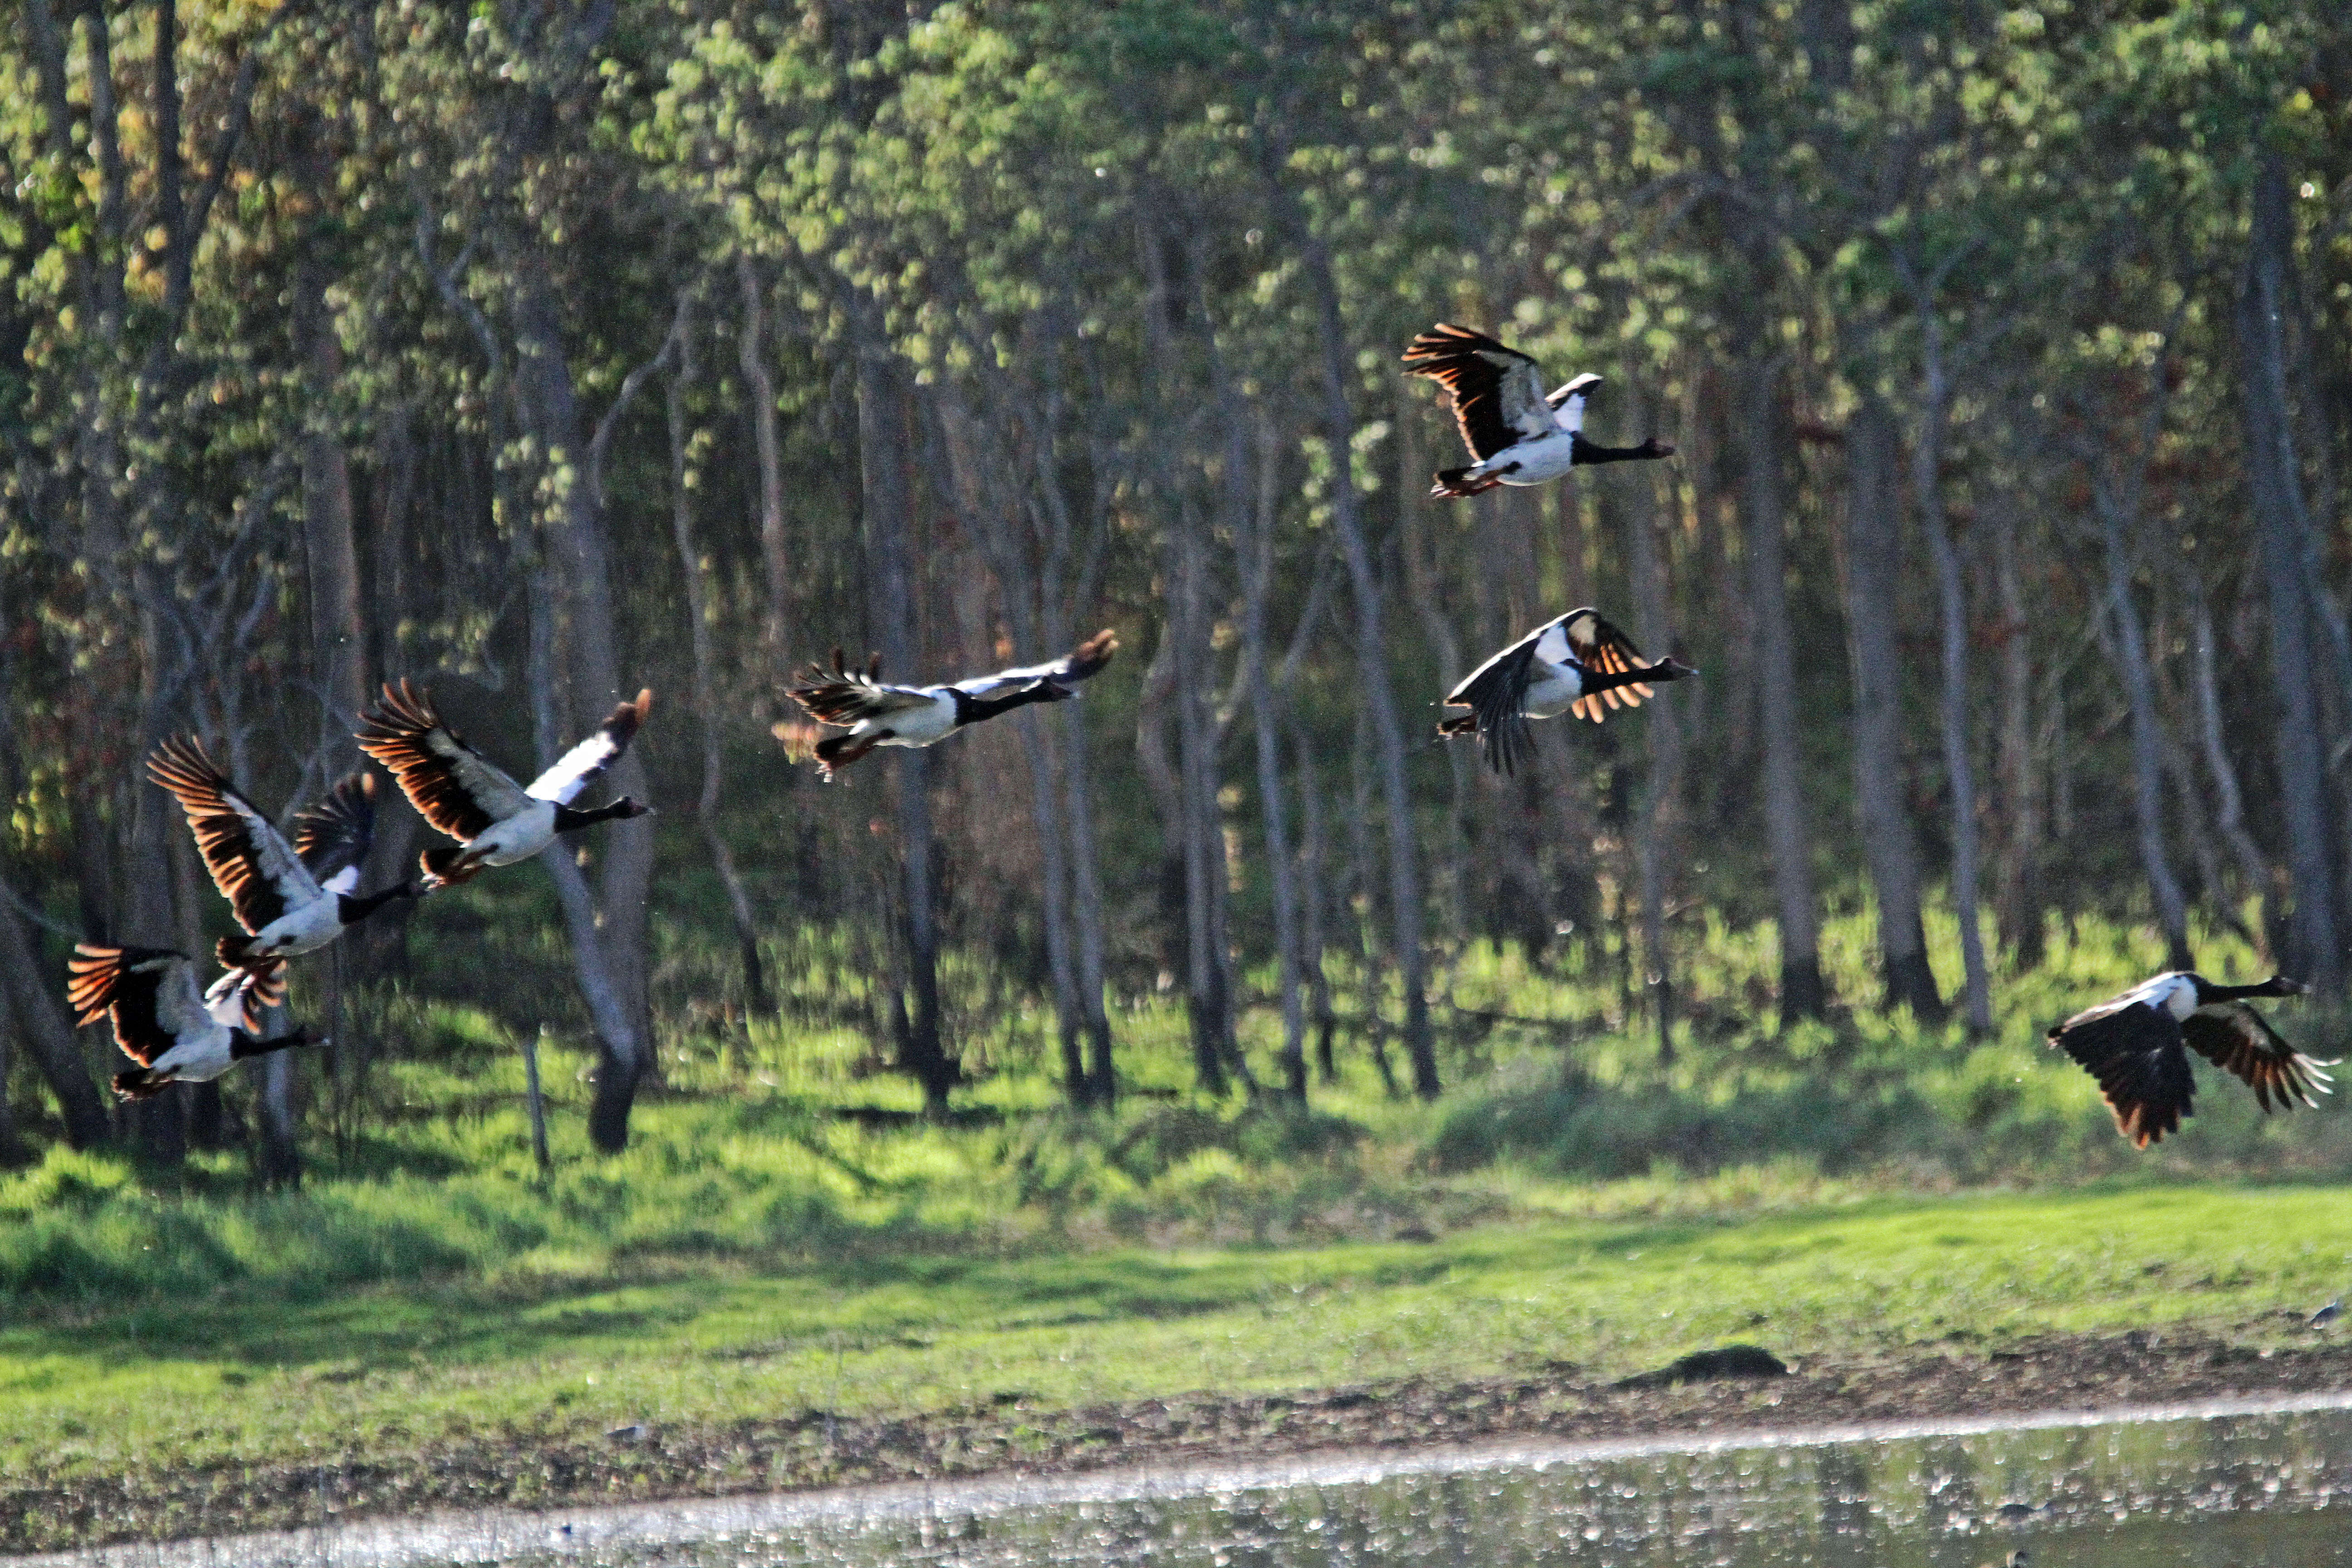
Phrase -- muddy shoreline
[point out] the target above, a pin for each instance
(807, 1448)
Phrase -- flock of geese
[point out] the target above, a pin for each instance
(292, 898)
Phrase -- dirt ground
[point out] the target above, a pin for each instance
(809, 1449)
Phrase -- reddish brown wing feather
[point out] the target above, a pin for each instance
(395, 733)
(2240, 1041)
(1449, 355)
(114, 981)
(1611, 651)
(224, 836)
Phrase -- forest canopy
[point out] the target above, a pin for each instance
(537, 351)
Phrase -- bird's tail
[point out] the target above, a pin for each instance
(836, 753)
(446, 865)
(139, 1083)
(1457, 483)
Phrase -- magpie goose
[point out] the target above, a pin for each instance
(161, 1023)
(2136, 1045)
(495, 820)
(1574, 664)
(881, 715)
(291, 899)
(1519, 433)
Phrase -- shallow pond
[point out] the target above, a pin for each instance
(2216, 1486)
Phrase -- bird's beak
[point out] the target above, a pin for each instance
(2291, 987)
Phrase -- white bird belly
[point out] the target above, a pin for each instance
(303, 930)
(913, 726)
(1531, 462)
(1553, 695)
(198, 1061)
(519, 837)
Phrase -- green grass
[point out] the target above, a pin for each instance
(1867, 1182)
(395, 1370)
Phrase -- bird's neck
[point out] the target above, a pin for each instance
(2208, 992)
(1585, 452)
(351, 911)
(243, 1044)
(970, 710)
(569, 821)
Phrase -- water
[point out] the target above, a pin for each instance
(2185, 1487)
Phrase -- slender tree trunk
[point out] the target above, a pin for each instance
(2275, 482)
(1372, 653)
(2130, 647)
(2018, 903)
(883, 438)
(706, 701)
(2229, 816)
(12, 1152)
(1874, 587)
(1254, 554)
(48, 1033)
(1803, 993)
(579, 556)
(1655, 849)
(1313, 896)
(775, 545)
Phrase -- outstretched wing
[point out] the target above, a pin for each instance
(251, 863)
(1497, 392)
(331, 838)
(234, 1000)
(1073, 666)
(1497, 695)
(2133, 1049)
(578, 767)
(2234, 1037)
(845, 696)
(149, 993)
(452, 785)
(1568, 402)
(1599, 645)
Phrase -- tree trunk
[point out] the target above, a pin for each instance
(883, 438)
(1314, 898)
(47, 1033)
(579, 560)
(2275, 483)
(2018, 900)
(1873, 588)
(2229, 816)
(2130, 647)
(706, 702)
(1371, 653)
(1764, 525)
(1654, 850)
(775, 546)
(1254, 555)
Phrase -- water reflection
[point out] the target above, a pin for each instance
(2233, 1492)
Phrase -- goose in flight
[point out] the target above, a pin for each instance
(2136, 1045)
(1575, 664)
(174, 1035)
(495, 821)
(291, 899)
(1519, 433)
(879, 715)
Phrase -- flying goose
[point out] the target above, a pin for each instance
(174, 1035)
(1574, 664)
(291, 899)
(1519, 433)
(2134, 1045)
(881, 715)
(495, 820)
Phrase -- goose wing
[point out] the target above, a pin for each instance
(1073, 666)
(2133, 1049)
(1497, 695)
(452, 786)
(578, 767)
(1497, 392)
(845, 696)
(331, 838)
(2234, 1037)
(150, 993)
(251, 863)
(234, 1000)
(1597, 645)
(1568, 402)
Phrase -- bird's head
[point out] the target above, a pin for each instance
(1654, 447)
(628, 807)
(2280, 985)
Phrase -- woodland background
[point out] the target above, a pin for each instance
(538, 350)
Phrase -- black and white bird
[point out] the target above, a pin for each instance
(291, 899)
(174, 1035)
(1576, 664)
(1519, 433)
(2138, 1047)
(495, 821)
(879, 715)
